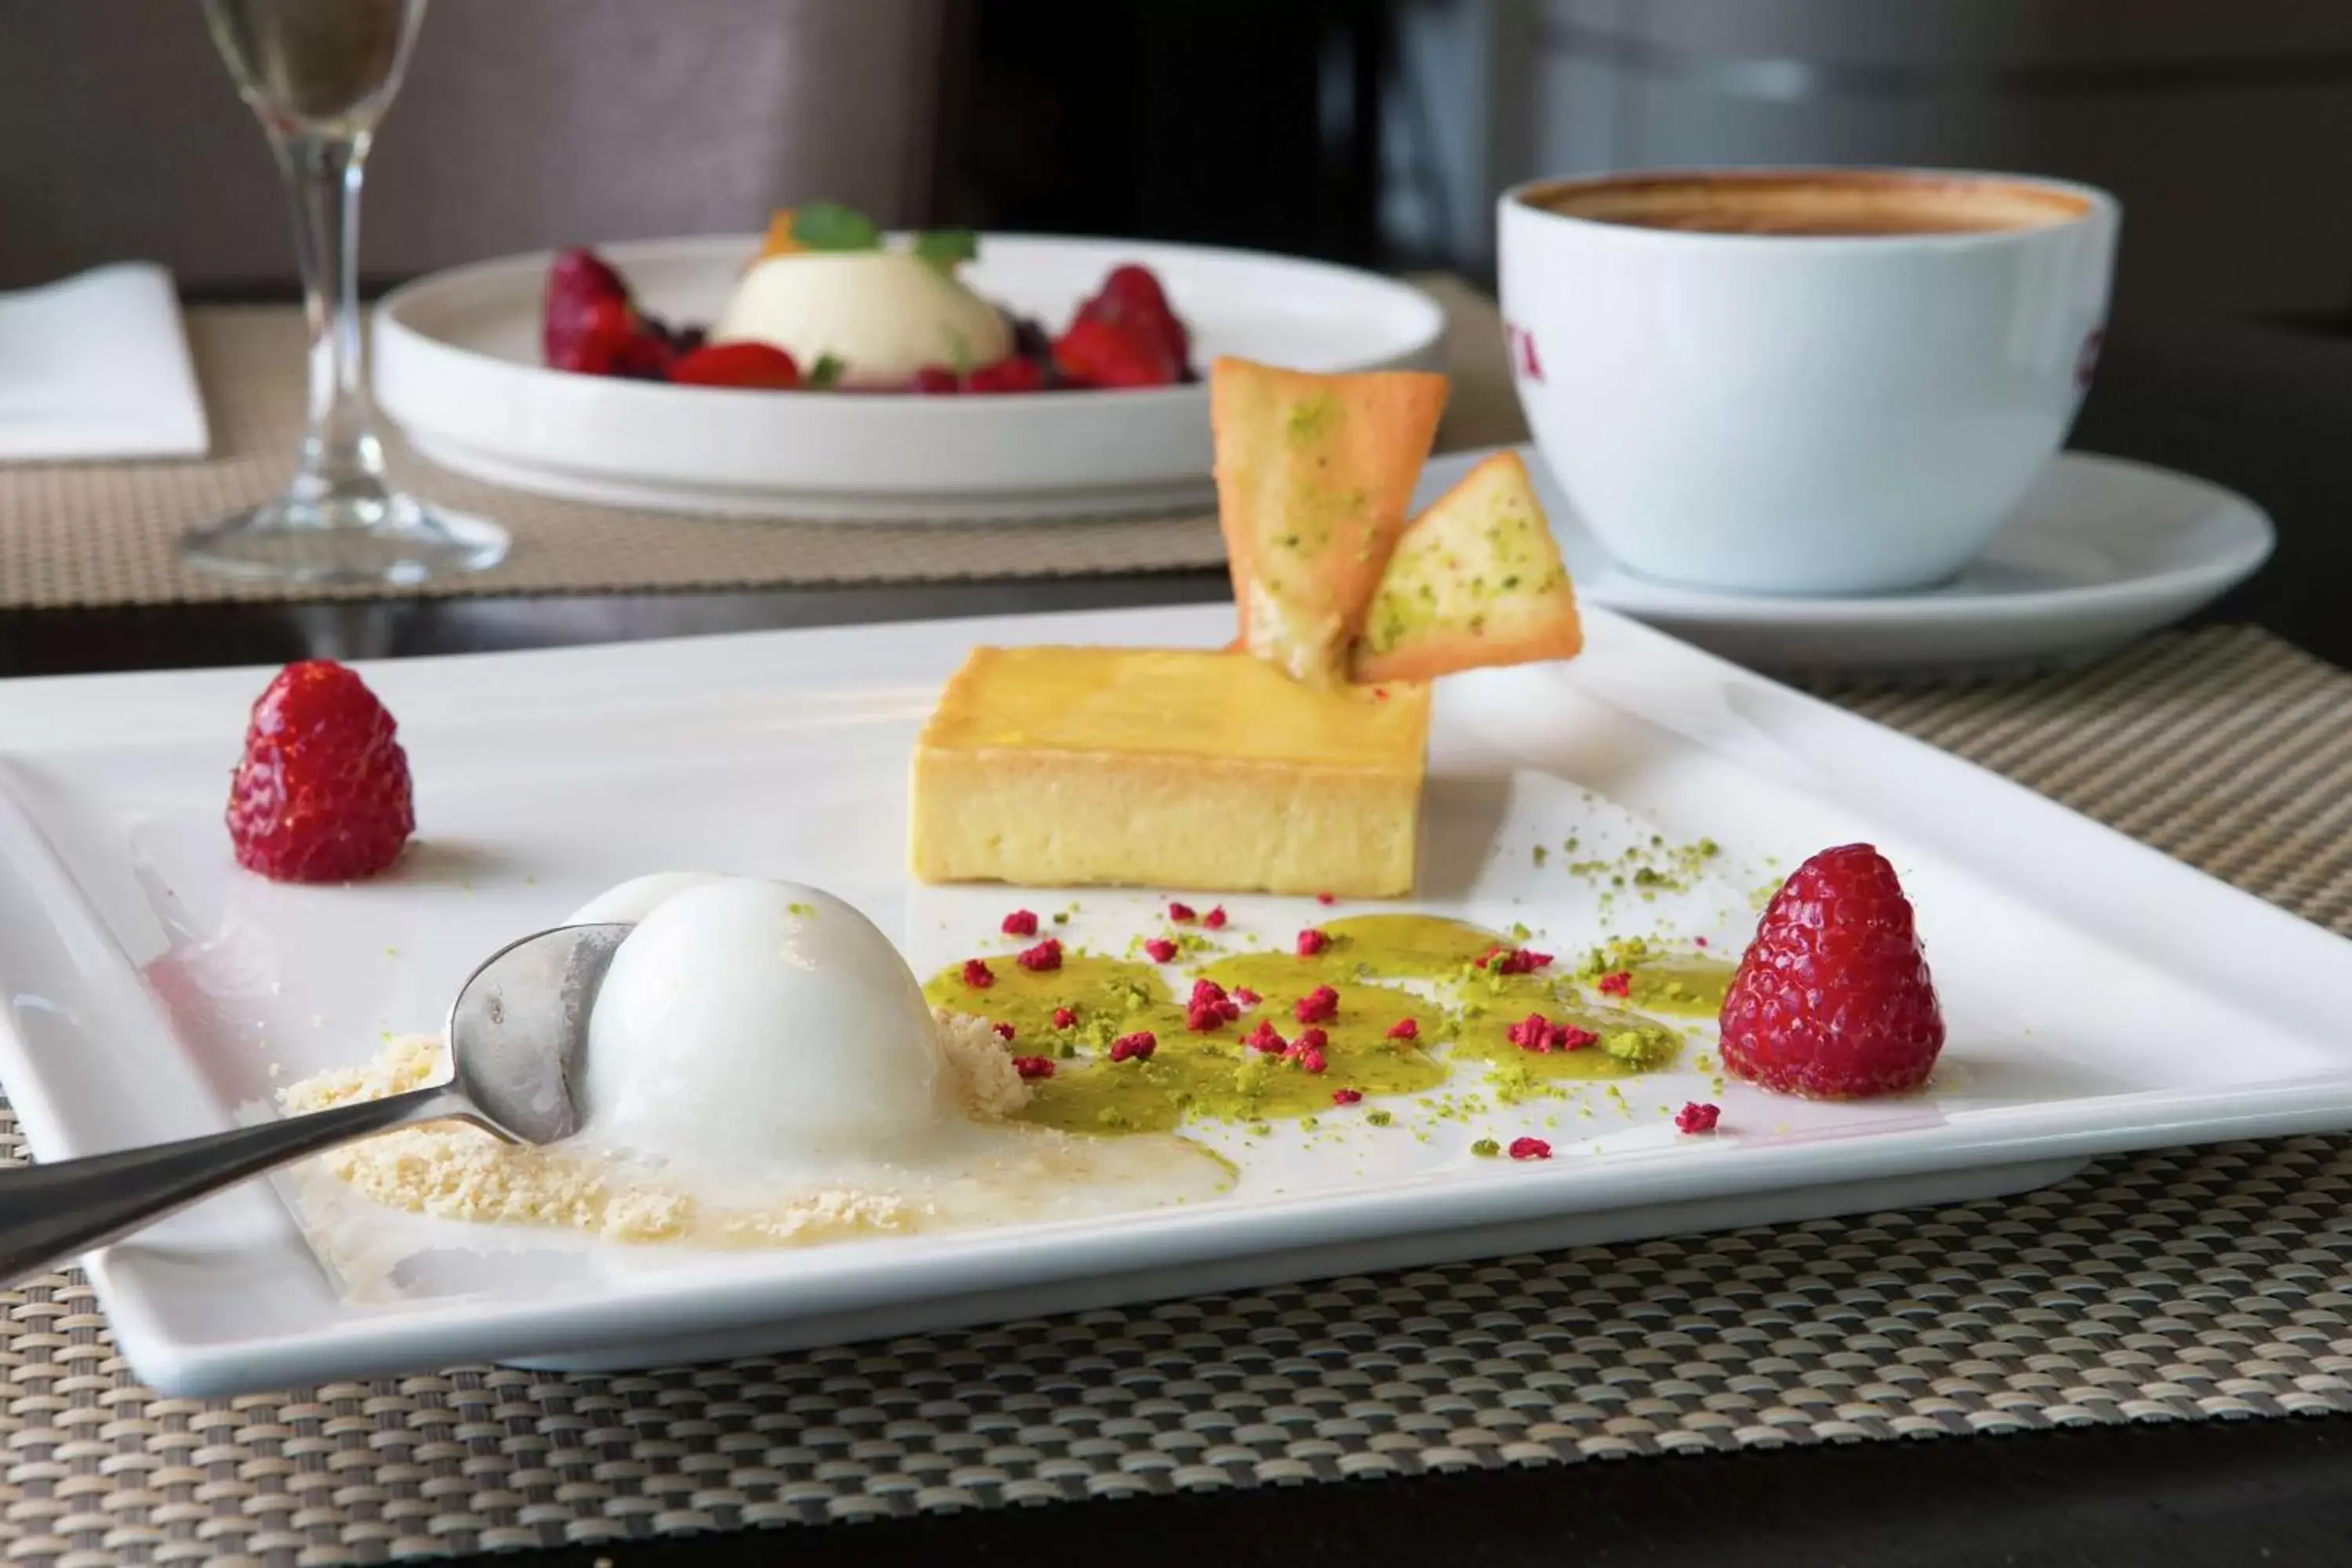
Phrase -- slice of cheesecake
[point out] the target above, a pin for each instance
(1051, 766)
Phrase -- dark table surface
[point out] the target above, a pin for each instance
(2264, 410)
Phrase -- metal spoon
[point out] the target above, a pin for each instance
(516, 1035)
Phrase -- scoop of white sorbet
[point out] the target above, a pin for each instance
(746, 1021)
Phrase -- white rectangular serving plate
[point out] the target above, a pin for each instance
(2100, 996)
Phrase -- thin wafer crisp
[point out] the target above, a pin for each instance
(2178, 1285)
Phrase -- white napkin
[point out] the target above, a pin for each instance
(97, 366)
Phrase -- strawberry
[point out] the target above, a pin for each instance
(1099, 353)
(736, 364)
(1832, 999)
(1133, 299)
(589, 323)
(1012, 373)
(321, 794)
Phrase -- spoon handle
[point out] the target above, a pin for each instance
(50, 1213)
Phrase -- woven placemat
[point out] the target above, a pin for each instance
(108, 533)
(2169, 1286)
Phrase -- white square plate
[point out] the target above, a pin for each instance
(2100, 996)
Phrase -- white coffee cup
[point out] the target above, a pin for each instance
(1788, 391)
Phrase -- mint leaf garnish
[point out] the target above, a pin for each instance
(829, 225)
(943, 247)
(823, 375)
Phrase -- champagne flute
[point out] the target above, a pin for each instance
(319, 74)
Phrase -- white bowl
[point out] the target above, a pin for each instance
(457, 367)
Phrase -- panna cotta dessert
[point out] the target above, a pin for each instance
(881, 315)
(761, 1067)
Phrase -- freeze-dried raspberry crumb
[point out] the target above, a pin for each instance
(1309, 1060)
(1311, 942)
(1034, 1067)
(1003, 1030)
(1619, 982)
(1264, 1038)
(1182, 913)
(978, 975)
(1529, 1149)
(1323, 899)
(1405, 1029)
(1310, 1040)
(1514, 960)
(1346, 1096)
(1695, 1117)
(1020, 922)
(1538, 1034)
(1700, 941)
(1160, 950)
(1137, 1047)
(1046, 955)
(1214, 919)
(1064, 1016)
(1319, 1005)
(1246, 997)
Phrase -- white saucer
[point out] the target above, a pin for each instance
(2102, 551)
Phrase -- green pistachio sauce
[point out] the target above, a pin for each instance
(1211, 1074)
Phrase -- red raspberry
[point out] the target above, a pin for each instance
(1020, 922)
(756, 366)
(1312, 942)
(1203, 1020)
(1568, 1037)
(1529, 1149)
(1180, 913)
(978, 975)
(1698, 940)
(1697, 1118)
(1620, 983)
(1833, 1000)
(1308, 1059)
(1324, 898)
(1064, 1018)
(1004, 1031)
(1214, 919)
(1264, 1038)
(1160, 950)
(1044, 958)
(321, 794)
(1405, 1029)
(1137, 1046)
(1310, 1040)
(1034, 1067)
(1319, 1005)
(1346, 1096)
(934, 380)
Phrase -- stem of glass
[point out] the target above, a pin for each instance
(340, 454)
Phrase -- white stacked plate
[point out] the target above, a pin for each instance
(458, 367)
